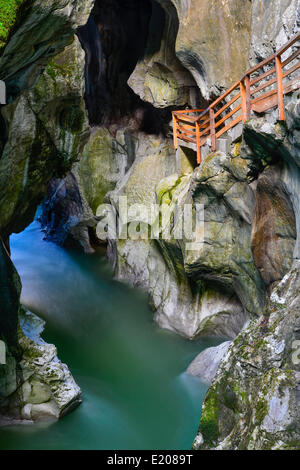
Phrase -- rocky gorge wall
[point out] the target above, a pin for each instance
(253, 402)
(251, 218)
(99, 105)
(43, 129)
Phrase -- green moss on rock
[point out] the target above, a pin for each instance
(209, 427)
(8, 16)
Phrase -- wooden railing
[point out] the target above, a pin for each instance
(261, 88)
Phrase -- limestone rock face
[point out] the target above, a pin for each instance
(104, 162)
(183, 305)
(217, 41)
(160, 78)
(225, 257)
(273, 24)
(43, 131)
(168, 50)
(150, 157)
(277, 146)
(179, 306)
(46, 390)
(274, 229)
(66, 217)
(46, 29)
(211, 35)
(10, 289)
(47, 129)
(206, 364)
(153, 159)
(253, 402)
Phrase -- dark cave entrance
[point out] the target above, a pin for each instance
(118, 35)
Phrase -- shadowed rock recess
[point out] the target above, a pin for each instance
(90, 90)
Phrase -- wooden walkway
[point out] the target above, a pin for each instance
(261, 88)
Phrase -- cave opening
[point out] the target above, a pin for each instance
(118, 36)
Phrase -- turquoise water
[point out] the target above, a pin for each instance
(135, 392)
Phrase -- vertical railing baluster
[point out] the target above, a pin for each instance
(175, 131)
(198, 143)
(280, 88)
(212, 129)
(248, 97)
(245, 98)
(243, 101)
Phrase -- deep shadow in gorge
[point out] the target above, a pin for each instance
(118, 34)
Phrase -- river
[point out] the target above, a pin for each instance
(135, 392)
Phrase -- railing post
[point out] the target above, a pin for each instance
(212, 129)
(245, 98)
(198, 143)
(248, 97)
(175, 131)
(280, 88)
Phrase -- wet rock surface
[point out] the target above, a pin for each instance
(47, 129)
(253, 402)
(38, 387)
(43, 128)
(100, 108)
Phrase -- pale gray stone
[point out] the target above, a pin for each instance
(206, 364)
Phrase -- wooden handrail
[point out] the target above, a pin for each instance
(202, 126)
(186, 111)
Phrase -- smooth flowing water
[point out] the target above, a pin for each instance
(135, 392)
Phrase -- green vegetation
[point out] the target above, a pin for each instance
(66, 71)
(8, 17)
(262, 409)
(209, 427)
